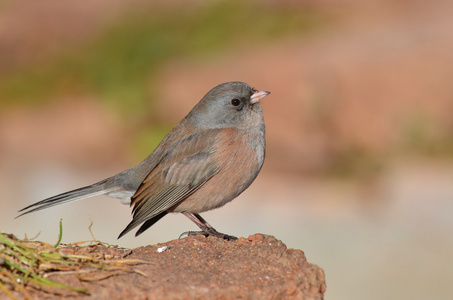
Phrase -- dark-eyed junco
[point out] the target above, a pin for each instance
(206, 160)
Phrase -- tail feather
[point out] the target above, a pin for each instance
(147, 224)
(74, 195)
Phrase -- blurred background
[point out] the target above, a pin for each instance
(359, 162)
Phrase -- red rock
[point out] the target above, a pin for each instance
(196, 267)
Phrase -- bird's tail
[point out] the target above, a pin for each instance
(74, 195)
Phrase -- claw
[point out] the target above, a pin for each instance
(209, 233)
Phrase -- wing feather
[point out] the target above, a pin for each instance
(187, 165)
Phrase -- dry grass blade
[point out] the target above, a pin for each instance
(27, 265)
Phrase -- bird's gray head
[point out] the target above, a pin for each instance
(230, 104)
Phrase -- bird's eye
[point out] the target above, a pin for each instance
(235, 102)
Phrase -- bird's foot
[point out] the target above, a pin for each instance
(206, 229)
(209, 233)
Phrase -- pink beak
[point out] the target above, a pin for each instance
(257, 96)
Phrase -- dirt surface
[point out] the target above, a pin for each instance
(257, 267)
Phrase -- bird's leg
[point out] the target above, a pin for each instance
(206, 229)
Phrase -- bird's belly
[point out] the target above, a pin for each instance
(237, 171)
(216, 192)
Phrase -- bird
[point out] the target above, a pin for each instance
(210, 157)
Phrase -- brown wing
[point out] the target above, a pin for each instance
(186, 166)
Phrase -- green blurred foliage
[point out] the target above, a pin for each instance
(119, 65)
(427, 135)
(355, 161)
(148, 138)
